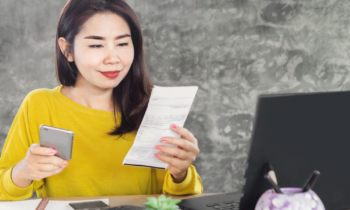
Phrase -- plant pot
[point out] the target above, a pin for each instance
(292, 198)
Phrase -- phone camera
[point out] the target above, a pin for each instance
(46, 129)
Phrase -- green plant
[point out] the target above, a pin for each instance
(162, 203)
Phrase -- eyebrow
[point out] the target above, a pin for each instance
(102, 38)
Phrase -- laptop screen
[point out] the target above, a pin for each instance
(298, 134)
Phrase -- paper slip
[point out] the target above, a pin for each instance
(20, 205)
(52, 205)
(167, 105)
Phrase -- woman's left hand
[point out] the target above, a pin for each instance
(183, 155)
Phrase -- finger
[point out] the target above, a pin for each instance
(177, 163)
(181, 154)
(47, 167)
(182, 144)
(54, 160)
(184, 133)
(36, 149)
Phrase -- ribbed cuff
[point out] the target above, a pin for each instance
(187, 186)
(14, 192)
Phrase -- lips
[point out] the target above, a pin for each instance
(110, 74)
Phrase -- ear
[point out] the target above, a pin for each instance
(62, 42)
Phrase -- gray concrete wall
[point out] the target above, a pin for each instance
(233, 50)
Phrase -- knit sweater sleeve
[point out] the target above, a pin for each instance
(18, 141)
(192, 184)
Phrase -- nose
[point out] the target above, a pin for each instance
(112, 56)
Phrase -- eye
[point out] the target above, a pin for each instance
(95, 46)
(123, 44)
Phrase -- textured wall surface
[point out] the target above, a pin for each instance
(233, 50)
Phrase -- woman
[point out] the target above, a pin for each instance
(103, 97)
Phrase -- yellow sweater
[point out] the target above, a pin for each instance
(96, 167)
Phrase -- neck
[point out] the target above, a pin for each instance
(89, 95)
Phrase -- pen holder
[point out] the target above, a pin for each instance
(292, 198)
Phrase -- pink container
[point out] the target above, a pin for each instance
(292, 199)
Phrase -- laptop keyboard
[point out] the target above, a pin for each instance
(229, 205)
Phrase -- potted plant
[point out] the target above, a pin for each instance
(162, 203)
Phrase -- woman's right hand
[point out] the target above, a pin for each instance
(39, 163)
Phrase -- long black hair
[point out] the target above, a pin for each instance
(131, 96)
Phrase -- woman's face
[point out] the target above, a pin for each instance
(103, 51)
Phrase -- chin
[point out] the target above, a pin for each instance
(109, 85)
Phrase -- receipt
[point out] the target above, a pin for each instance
(167, 105)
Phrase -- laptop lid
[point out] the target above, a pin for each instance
(298, 134)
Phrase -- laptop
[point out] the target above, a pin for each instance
(297, 134)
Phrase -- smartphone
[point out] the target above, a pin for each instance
(57, 138)
(93, 205)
